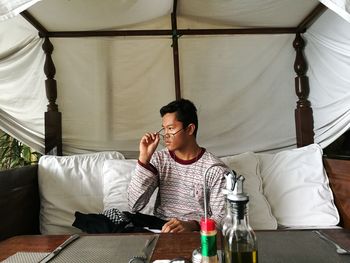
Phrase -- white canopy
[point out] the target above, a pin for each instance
(110, 89)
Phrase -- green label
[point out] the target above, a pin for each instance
(208, 245)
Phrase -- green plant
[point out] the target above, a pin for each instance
(14, 153)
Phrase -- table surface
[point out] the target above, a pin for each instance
(273, 246)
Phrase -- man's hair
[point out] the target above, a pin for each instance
(185, 110)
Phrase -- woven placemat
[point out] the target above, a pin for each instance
(94, 249)
(25, 257)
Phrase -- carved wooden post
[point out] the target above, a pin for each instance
(304, 122)
(53, 118)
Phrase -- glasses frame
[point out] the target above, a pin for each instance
(169, 135)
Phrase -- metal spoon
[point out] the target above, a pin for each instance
(339, 249)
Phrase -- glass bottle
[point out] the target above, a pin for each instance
(208, 241)
(239, 240)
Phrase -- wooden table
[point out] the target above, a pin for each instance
(273, 246)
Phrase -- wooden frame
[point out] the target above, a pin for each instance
(303, 111)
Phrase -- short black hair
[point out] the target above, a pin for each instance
(186, 112)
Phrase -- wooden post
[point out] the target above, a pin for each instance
(175, 51)
(304, 122)
(53, 118)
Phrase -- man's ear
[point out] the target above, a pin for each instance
(191, 128)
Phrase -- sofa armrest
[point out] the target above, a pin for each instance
(19, 201)
(339, 177)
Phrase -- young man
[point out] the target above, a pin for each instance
(178, 171)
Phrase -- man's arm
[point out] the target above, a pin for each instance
(145, 180)
(142, 186)
(216, 182)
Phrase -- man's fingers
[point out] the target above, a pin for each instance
(171, 224)
(179, 228)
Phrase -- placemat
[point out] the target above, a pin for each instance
(25, 257)
(341, 238)
(94, 249)
(296, 247)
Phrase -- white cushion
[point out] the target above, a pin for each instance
(297, 188)
(247, 164)
(68, 184)
(116, 178)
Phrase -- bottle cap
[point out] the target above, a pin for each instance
(207, 224)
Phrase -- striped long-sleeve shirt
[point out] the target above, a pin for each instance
(180, 184)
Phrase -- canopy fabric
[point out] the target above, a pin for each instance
(328, 54)
(110, 89)
(341, 7)
(22, 83)
(11, 8)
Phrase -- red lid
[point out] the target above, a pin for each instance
(207, 224)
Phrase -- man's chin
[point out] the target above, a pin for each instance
(169, 147)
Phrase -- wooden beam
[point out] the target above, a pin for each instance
(27, 16)
(239, 31)
(181, 32)
(110, 33)
(311, 17)
(175, 47)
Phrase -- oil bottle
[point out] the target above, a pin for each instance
(238, 238)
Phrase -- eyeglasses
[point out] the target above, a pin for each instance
(168, 135)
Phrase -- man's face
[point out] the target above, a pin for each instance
(175, 134)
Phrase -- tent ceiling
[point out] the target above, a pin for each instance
(91, 15)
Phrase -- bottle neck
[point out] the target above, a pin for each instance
(239, 211)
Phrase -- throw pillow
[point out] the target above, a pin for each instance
(297, 188)
(246, 164)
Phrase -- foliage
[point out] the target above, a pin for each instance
(14, 153)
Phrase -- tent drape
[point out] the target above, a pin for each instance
(110, 89)
(11, 8)
(23, 99)
(341, 7)
(328, 54)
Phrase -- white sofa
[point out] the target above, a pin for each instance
(287, 189)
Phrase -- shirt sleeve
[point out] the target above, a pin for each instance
(142, 185)
(216, 182)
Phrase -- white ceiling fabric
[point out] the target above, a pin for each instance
(271, 13)
(11, 8)
(341, 7)
(110, 89)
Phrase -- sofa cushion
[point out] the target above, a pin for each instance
(297, 188)
(68, 184)
(247, 164)
(116, 178)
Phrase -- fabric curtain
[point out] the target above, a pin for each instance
(341, 7)
(110, 89)
(328, 55)
(22, 83)
(11, 8)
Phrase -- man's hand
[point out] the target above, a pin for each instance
(177, 226)
(147, 147)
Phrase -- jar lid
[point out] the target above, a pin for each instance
(207, 224)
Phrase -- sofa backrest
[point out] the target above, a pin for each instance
(19, 201)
